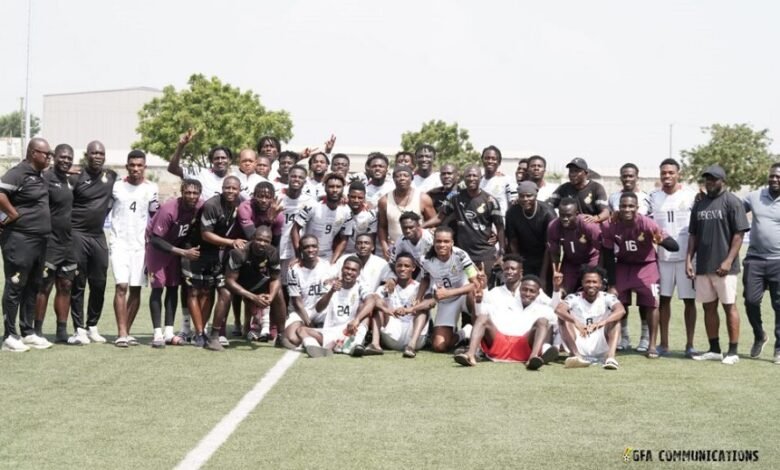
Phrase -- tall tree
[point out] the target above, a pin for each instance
(220, 113)
(740, 150)
(11, 124)
(451, 143)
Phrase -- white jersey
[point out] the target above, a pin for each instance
(641, 199)
(344, 305)
(130, 213)
(248, 183)
(404, 245)
(426, 184)
(309, 284)
(503, 188)
(278, 184)
(546, 191)
(324, 223)
(401, 297)
(450, 273)
(365, 221)
(314, 188)
(508, 314)
(586, 312)
(374, 193)
(211, 182)
(374, 272)
(672, 213)
(291, 208)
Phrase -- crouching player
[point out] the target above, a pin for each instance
(511, 329)
(345, 301)
(398, 321)
(590, 322)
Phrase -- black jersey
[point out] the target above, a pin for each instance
(254, 268)
(219, 218)
(92, 197)
(60, 204)
(28, 192)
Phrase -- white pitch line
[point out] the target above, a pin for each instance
(220, 433)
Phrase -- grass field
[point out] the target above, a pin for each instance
(98, 406)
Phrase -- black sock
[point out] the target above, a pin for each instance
(38, 327)
(62, 328)
(732, 349)
(715, 345)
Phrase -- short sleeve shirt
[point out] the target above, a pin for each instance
(530, 232)
(60, 204)
(579, 244)
(475, 217)
(92, 199)
(765, 226)
(632, 243)
(255, 268)
(591, 199)
(28, 192)
(714, 222)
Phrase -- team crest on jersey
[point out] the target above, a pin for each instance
(104, 178)
(352, 298)
(641, 237)
(481, 208)
(453, 269)
(588, 199)
(583, 239)
(16, 278)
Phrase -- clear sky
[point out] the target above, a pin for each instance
(597, 79)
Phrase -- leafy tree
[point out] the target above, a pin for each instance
(740, 150)
(11, 124)
(219, 113)
(451, 143)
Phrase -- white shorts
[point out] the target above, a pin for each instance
(128, 266)
(673, 274)
(447, 312)
(593, 346)
(397, 333)
(711, 287)
(293, 317)
(331, 335)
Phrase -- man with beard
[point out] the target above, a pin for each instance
(499, 186)
(24, 199)
(401, 199)
(590, 195)
(363, 220)
(378, 185)
(572, 243)
(537, 167)
(318, 166)
(215, 232)
(526, 230)
(166, 236)
(210, 178)
(718, 225)
(425, 178)
(630, 258)
(92, 196)
(60, 266)
(252, 274)
(325, 220)
(134, 202)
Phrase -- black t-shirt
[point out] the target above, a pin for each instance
(254, 268)
(439, 195)
(475, 217)
(714, 221)
(92, 198)
(28, 192)
(219, 218)
(530, 232)
(60, 204)
(592, 199)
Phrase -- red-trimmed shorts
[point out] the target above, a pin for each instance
(508, 348)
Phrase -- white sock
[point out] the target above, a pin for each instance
(168, 332)
(158, 333)
(265, 321)
(309, 341)
(645, 330)
(360, 335)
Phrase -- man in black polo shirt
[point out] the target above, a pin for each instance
(60, 266)
(92, 196)
(24, 200)
(590, 195)
(526, 230)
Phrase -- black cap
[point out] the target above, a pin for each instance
(578, 163)
(716, 171)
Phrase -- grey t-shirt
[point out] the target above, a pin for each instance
(765, 228)
(714, 221)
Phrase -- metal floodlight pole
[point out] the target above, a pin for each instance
(26, 136)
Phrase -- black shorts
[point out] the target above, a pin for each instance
(23, 257)
(91, 253)
(60, 260)
(204, 273)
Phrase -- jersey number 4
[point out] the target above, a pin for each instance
(132, 206)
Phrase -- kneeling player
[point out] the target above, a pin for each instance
(345, 301)
(590, 322)
(512, 329)
(399, 322)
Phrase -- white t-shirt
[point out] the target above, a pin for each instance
(248, 183)
(318, 219)
(374, 272)
(344, 305)
(426, 184)
(291, 208)
(672, 213)
(309, 284)
(130, 213)
(586, 312)
(546, 191)
(503, 188)
(363, 222)
(508, 314)
(374, 193)
(212, 184)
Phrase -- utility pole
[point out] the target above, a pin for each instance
(27, 79)
(671, 135)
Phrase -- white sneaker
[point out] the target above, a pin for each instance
(14, 344)
(83, 336)
(644, 343)
(94, 336)
(36, 342)
(575, 362)
(224, 341)
(709, 356)
(730, 360)
(77, 340)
